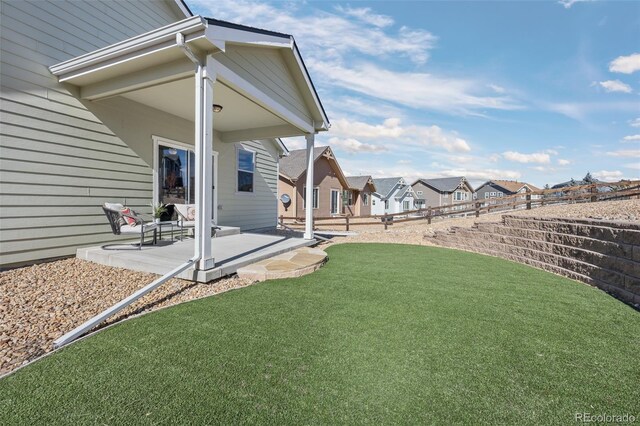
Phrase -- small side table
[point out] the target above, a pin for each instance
(168, 223)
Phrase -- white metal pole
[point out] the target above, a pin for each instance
(203, 119)
(204, 213)
(308, 229)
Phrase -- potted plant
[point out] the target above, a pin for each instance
(157, 210)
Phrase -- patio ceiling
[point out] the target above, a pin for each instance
(152, 69)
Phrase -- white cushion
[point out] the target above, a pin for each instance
(128, 229)
(114, 206)
(183, 209)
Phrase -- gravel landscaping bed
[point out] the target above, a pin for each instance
(40, 303)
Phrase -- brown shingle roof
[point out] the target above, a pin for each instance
(513, 185)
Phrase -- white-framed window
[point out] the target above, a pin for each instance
(405, 205)
(419, 192)
(365, 199)
(500, 194)
(493, 193)
(316, 195)
(386, 204)
(460, 196)
(373, 201)
(245, 169)
(486, 195)
(349, 197)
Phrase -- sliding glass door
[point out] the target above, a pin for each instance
(176, 175)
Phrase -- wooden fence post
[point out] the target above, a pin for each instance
(282, 221)
(528, 200)
(429, 215)
(385, 219)
(594, 193)
(347, 217)
(477, 208)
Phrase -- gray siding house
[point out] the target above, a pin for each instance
(442, 191)
(79, 128)
(501, 188)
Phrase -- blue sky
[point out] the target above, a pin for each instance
(539, 91)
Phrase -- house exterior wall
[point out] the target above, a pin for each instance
(286, 187)
(489, 188)
(272, 76)
(325, 179)
(248, 211)
(431, 197)
(62, 158)
(377, 205)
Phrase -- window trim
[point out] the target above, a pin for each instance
(365, 199)
(237, 167)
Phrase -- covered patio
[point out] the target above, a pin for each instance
(229, 83)
(235, 83)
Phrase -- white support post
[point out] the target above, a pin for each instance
(308, 228)
(205, 78)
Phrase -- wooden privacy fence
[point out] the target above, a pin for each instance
(529, 200)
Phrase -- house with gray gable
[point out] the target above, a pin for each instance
(442, 191)
(392, 195)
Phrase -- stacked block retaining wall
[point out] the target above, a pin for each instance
(598, 252)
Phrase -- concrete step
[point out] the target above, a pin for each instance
(287, 265)
(225, 231)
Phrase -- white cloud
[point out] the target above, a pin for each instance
(496, 88)
(568, 3)
(562, 162)
(391, 132)
(635, 122)
(629, 153)
(412, 89)
(633, 166)
(608, 175)
(631, 138)
(366, 15)
(353, 146)
(536, 157)
(626, 64)
(580, 111)
(615, 86)
(325, 34)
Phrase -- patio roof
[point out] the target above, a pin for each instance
(186, 68)
(153, 69)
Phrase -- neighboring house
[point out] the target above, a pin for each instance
(502, 188)
(329, 184)
(442, 191)
(390, 196)
(99, 105)
(405, 199)
(359, 195)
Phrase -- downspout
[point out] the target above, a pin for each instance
(101, 317)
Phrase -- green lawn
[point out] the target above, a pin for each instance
(382, 334)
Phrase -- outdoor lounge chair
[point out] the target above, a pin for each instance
(119, 224)
(187, 216)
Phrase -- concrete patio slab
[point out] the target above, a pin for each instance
(230, 252)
